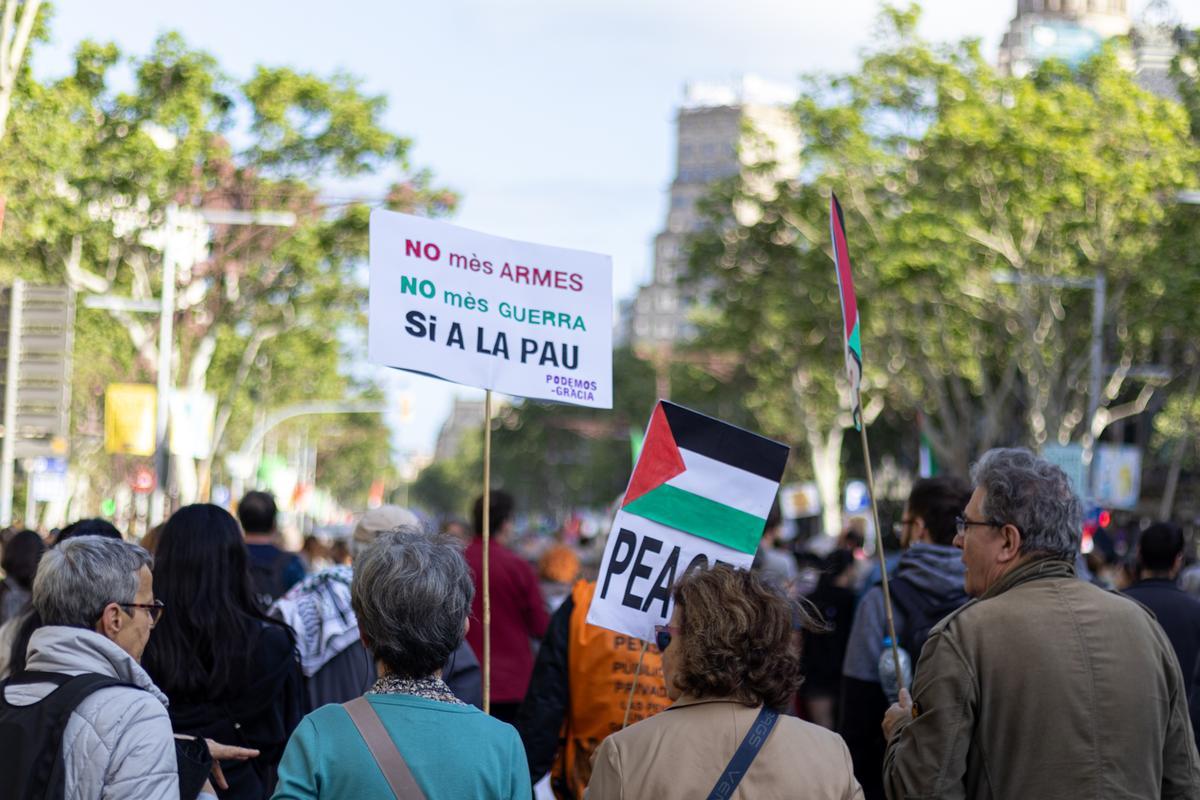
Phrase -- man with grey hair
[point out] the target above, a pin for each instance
(1043, 686)
(96, 599)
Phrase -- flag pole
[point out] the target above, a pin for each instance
(633, 686)
(487, 532)
(887, 593)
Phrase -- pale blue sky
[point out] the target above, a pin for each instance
(554, 120)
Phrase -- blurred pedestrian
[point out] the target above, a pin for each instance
(272, 569)
(1044, 685)
(777, 563)
(315, 554)
(580, 693)
(230, 671)
(557, 570)
(16, 632)
(824, 649)
(95, 597)
(926, 585)
(336, 665)
(518, 614)
(412, 596)
(21, 555)
(729, 667)
(1159, 559)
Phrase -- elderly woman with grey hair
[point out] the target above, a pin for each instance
(411, 593)
(336, 666)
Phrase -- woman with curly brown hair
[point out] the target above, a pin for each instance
(729, 667)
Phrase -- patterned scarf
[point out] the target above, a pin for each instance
(426, 688)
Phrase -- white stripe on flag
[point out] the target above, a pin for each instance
(724, 484)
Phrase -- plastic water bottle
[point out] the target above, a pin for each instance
(887, 671)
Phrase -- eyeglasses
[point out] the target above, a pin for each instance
(900, 527)
(962, 523)
(155, 609)
(662, 636)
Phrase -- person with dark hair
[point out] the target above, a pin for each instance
(518, 613)
(92, 526)
(230, 671)
(927, 584)
(21, 555)
(411, 594)
(729, 667)
(1043, 685)
(16, 632)
(1159, 559)
(273, 570)
(823, 650)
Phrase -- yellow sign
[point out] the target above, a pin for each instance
(129, 418)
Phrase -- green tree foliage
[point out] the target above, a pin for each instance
(269, 316)
(950, 173)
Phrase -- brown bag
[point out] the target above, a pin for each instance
(383, 750)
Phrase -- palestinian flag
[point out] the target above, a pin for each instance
(837, 230)
(705, 477)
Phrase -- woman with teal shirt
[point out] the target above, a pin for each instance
(412, 593)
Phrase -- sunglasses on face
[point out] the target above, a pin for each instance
(662, 636)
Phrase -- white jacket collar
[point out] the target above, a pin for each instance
(58, 648)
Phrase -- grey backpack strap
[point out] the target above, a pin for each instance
(383, 749)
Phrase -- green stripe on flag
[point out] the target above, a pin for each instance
(700, 516)
(855, 341)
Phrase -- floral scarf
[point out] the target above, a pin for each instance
(427, 688)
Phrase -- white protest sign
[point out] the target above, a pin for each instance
(523, 319)
(699, 495)
(642, 562)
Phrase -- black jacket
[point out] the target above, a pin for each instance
(262, 714)
(541, 716)
(1179, 615)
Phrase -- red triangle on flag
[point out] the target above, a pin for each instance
(660, 460)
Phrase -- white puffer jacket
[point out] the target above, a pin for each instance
(118, 741)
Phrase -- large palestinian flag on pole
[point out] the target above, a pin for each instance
(841, 254)
(699, 495)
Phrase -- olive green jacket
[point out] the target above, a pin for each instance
(1046, 687)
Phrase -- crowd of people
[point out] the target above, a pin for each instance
(210, 661)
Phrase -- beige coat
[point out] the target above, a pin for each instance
(1046, 687)
(681, 753)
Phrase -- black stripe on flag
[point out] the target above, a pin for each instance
(726, 443)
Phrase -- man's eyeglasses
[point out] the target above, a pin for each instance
(155, 609)
(962, 523)
(900, 527)
(662, 636)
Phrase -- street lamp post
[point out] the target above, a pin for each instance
(165, 308)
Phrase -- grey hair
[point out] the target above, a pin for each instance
(412, 592)
(78, 578)
(1035, 496)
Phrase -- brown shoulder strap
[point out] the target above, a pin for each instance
(383, 749)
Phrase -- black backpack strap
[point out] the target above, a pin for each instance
(71, 691)
(756, 737)
(26, 677)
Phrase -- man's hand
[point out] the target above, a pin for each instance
(226, 752)
(900, 711)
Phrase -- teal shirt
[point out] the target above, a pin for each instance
(453, 751)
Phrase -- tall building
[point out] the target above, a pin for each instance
(465, 417)
(1073, 30)
(720, 129)
(1070, 30)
